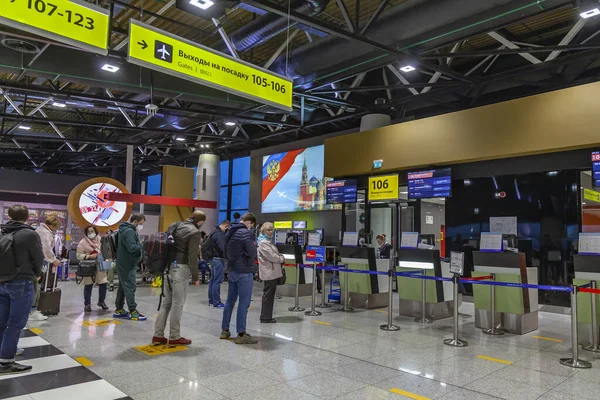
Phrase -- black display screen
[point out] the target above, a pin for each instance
(342, 191)
(430, 184)
(596, 168)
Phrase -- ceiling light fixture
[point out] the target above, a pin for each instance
(61, 105)
(407, 68)
(207, 146)
(230, 123)
(180, 139)
(110, 68)
(202, 4)
(590, 13)
(24, 127)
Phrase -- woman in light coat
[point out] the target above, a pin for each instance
(88, 249)
(270, 269)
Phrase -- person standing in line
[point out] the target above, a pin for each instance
(88, 249)
(202, 262)
(384, 247)
(17, 275)
(129, 255)
(217, 264)
(187, 242)
(46, 231)
(270, 269)
(241, 255)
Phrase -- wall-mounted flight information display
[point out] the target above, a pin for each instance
(596, 168)
(430, 184)
(342, 191)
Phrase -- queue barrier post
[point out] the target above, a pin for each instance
(494, 330)
(297, 307)
(346, 307)
(574, 361)
(423, 319)
(313, 312)
(390, 326)
(594, 346)
(455, 341)
(323, 303)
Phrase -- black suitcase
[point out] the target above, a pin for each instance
(49, 303)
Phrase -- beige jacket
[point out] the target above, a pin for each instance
(47, 237)
(270, 261)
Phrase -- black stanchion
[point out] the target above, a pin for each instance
(574, 361)
(313, 312)
(455, 341)
(297, 307)
(494, 330)
(390, 326)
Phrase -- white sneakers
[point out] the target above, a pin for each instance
(36, 315)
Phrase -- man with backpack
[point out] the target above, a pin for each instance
(213, 249)
(129, 255)
(21, 261)
(186, 243)
(241, 256)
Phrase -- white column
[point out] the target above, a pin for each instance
(142, 191)
(208, 187)
(129, 168)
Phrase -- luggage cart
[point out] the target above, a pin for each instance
(335, 291)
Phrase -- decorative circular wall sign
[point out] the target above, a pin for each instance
(88, 206)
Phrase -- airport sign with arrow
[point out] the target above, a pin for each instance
(161, 51)
(73, 22)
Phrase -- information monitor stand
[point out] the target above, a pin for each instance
(293, 255)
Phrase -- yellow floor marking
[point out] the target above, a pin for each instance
(101, 322)
(322, 323)
(37, 331)
(382, 311)
(84, 361)
(152, 350)
(251, 308)
(408, 394)
(495, 360)
(156, 315)
(548, 338)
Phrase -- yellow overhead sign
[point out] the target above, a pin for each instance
(592, 195)
(158, 50)
(282, 225)
(74, 22)
(383, 187)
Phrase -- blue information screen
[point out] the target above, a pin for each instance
(315, 254)
(596, 168)
(342, 191)
(430, 184)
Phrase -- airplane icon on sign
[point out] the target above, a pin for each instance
(163, 51)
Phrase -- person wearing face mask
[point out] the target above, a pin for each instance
(46, 232)
(240, 252)
(88, 249)
(129, 255)
(186, 236)
(270, 269)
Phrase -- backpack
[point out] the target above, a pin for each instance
(8, 262)
(108, 245)
(208, 250)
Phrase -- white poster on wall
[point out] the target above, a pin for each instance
(504, 225)
(429, 219)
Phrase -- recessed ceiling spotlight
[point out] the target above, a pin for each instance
(110, 68)
(590, 13)
(202, 4)
(207, 146)
(407, 68)
(24, 127)
(230, 123)
(180, 139)
(61, 105)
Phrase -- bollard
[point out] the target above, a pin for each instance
(423, 319)
(297, 307)
(494, 329)
(346, 307)
(389, 326)
(574, 361)
(313, 312)
(594, 346)
(323, 292)
(455, 341)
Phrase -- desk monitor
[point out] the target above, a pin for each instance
(291, 252)
(427, 238)
(280, 236)
(314, 239)
(350, 239)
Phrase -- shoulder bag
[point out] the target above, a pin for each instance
(86, 269)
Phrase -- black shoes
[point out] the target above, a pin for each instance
(13, 368)
(103, 306)
(88, 308)
(268, 321)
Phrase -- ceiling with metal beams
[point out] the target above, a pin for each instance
(60, 112)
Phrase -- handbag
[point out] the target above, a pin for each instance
(281, 280)
(86, 269)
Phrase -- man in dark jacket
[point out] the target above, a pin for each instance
(17, 273)
(241, 255)
(217, 264)
(187, 244)
(129, 255)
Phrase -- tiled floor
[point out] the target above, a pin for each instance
(336, 355)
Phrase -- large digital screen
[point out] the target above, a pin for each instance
(596, 168)
(430, 184)
(342, 191)
(294, 181)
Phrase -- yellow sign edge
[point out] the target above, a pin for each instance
(189, 78)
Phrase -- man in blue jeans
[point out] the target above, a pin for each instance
(241, 266)
(217, 264)
(20, 263)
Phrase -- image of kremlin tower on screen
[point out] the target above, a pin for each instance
(312, 192)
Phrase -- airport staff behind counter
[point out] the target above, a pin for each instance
(384, 247)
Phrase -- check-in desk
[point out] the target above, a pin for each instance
(366, 291)
(516, 308)
(439, 295)
(587, 268)
(293, 255)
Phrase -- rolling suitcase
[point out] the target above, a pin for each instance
(49, 303)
